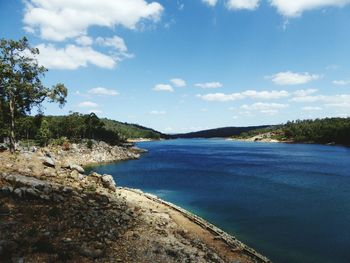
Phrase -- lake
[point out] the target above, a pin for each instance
(291, 202)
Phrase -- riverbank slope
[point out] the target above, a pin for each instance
(51, 211)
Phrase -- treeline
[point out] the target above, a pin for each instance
(132, 131)
(218, 133)
(329, 130)
(324, 131)
(73, 128)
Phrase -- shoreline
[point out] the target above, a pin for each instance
(24, 184)
(218, 233)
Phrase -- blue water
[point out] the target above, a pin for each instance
(291, 202)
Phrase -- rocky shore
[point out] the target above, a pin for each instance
(51, 211)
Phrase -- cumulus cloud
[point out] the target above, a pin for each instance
(177, 82)
(292, 78)
(88, 104)
(221, 97)
(295, 8)
(103, 91)
(115, 42)
(163, 87)
(252, 94)
(58, 20)
(341, 82)
(84, 40)
(242, 4)
(304, 92)
(266, 108)
(209, 85)
(210, 2)
(72, 57)
(334, 101)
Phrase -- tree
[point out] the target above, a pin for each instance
(44, 134)
(21, 88)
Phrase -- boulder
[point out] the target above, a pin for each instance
(108, 182)
(78, 168)
(48, 161)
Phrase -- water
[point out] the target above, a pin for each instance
(291, 202)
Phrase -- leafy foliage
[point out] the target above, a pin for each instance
(21, 88)
(324, 131)
(75, 127)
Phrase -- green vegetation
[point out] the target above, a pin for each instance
(132, 131)
(21, 88)
(75, 127)
(324, 131)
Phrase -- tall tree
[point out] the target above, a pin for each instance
(21, 87)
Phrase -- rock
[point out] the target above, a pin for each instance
(7, 189)
(57, 198)
(76, 167)
(48, 161)
(90, 252)
(18, 192)
(108, 182)
(32, 192)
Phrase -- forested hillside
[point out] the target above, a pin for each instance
(75, 127)
(324, 131)
(218, 133)
(132, 131)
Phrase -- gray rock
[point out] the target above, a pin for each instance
(90, 252)
(108, 182)
(76, 167)
(48, 161)
(7, 189)
(18, 192)
(32, 192)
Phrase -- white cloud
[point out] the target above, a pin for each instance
(84, 40)
(304, 92)
(341, 82)
(266, 95)
(163, 87)
(311, 108)
(210, 2)
(156, 112)
(72, 57)
(242, 4)
(177, 82)
(252, 94)
(86, 104)
(60, 19)
(103, 91)
(221, 97)
(308, 98)
(333, 101)
(209, 85)
(266, 108)
(292, 78)
(115, 42)
(294, 8)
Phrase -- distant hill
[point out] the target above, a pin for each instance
(323, 131)
(132, 131)
(218, 132)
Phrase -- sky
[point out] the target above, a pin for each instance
(186, 65)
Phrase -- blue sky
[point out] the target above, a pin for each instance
(180, 66)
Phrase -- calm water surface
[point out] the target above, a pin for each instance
(290, 202)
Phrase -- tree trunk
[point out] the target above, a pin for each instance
(12, 124)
